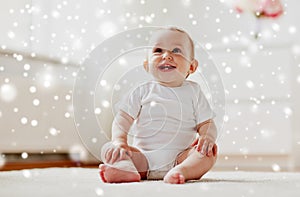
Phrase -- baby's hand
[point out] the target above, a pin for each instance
(117, 151)
(205, 145)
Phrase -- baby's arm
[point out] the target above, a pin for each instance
(208, 134)
(120, 128)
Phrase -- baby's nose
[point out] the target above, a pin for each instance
(167, 55)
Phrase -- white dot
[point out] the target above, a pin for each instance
(122, 61)
(24, 120)
(296, 49)
(11, 35)
(288, 111)
(26, 67)
(19, 58)
(36, 102)
(148, 19)
(26, 173)
(24, 155)
(105, 104)
(208, 46)
(94, 140)
(99, 191)
(8, 92)
(226, 118)
(298, 79)
(68, 97)
(32, 89)
(97, 111)
(152, 103)
(67, 115)
(165, 10)
(225, 40)
(56, 98)
(103, 82)
(55, 14)
(275, 167)
(254, 108)
(276, 27)
(292, 30)
(64, 60)
(47, 84)
(34, 123)
(250, 84)
(228, 70)
(54, 131)
(74, 74)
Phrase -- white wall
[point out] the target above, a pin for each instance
(261, 77)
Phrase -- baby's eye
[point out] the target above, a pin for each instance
(176, 50)
(157, 50)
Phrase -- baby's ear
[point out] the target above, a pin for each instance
(193, 66)
(146, 65)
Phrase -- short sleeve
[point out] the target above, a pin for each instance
(203, 110)
(131, 103)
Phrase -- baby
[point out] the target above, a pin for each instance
(169, 118)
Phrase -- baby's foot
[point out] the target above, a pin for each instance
(174, 177)
(113, 175)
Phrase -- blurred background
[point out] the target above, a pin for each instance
(255, 47)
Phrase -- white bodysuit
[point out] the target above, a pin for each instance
(165, 120)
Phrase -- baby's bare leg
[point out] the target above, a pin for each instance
(191, 165)
(130, 169)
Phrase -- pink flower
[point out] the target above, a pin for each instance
(261, 8)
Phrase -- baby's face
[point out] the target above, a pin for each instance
(170, 60)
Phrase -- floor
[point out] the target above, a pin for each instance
(86, 182)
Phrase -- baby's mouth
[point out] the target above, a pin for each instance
(166, 67)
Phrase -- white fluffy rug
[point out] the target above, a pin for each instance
(82, 182)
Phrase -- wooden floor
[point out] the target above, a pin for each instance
(45, 164)
(15, 162)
